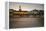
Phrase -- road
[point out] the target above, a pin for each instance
(23, 22)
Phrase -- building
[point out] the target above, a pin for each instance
(20, 11)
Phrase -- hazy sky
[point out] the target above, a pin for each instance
(26, 6)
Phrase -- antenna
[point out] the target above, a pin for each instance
(19, 6)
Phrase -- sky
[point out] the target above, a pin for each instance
(26, 6)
